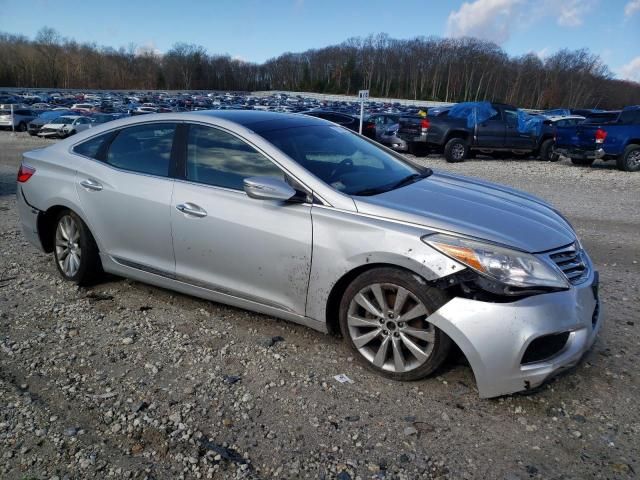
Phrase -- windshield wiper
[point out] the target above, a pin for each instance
(414, 177)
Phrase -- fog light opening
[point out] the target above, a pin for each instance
(545, 347)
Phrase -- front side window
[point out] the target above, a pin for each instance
(143, 149)
(217, 158)
(341, 159)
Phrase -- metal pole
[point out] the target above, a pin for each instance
(13, 125)
(361, 113)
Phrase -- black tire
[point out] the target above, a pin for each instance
(629, 161)
(22, 127)
(456, 150)
(432, 298)
(546, 150)
(582, 162)
(90, 267)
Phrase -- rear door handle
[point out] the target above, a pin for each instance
(91, 185)
(191, 209)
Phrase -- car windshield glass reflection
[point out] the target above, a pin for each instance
(343, 160)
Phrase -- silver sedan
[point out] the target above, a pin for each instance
(299, 218)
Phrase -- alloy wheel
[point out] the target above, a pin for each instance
(387, 325)
(457, 151)
(67, 243)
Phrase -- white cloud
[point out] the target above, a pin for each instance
(486, 19)
(631, 7)
(572, 12)
(630, 71)
(543, 53)
(148, 48)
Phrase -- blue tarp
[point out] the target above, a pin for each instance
(474, 112)
(528, 123)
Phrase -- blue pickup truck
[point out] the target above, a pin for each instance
(618, 140)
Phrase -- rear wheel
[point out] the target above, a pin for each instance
(456, 150)
(583, 162)
(75, 251)
(629, 161)
(383, 318)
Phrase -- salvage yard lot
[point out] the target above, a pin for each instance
(124, 380)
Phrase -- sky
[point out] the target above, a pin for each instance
(253, 30)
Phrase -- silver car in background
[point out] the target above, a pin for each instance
(299, 218)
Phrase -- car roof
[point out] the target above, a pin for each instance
(261, 121)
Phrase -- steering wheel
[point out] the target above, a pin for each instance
(342, 166)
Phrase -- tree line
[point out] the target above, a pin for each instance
(423, 68)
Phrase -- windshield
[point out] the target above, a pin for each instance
(342, 159)
(62, 120)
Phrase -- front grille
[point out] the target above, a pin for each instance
(571, 261)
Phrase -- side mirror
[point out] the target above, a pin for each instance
(268, 188)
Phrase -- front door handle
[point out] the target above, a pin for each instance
(91, 185)
(191, 209)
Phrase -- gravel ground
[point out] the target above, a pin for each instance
(125, 380)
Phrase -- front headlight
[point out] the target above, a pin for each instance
(510, 267)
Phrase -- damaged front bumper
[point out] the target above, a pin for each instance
(495, 336)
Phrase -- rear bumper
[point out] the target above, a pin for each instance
(495, 336)
(574, 152)
(28, 219)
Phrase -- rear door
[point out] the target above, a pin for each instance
(127, 196)
(513, 137)
(491, 132)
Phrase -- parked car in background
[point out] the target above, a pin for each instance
(618, 140)
(34, 126)
(382, 122)
(21, 117)
(602, 117)
(83, 107)
(458, 137)
(390, 138)
(232, 206)
(349, 121)
(548, 132)
(65, 126)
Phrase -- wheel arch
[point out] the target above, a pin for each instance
(463, 134)
(46, 223)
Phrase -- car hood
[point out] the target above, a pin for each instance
(474, 208)
(54, 126)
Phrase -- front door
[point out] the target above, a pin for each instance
(257, 250)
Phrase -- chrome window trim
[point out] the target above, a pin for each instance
(310, 191)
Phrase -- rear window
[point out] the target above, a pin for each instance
(91, 147)
(143, 149)
(630, 117)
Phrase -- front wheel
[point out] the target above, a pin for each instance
(629, 161)
(75, 251)
(383, 318)
(546, 151)
(22, 127)
(456, 150)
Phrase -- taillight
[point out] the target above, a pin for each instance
(25, 173)
(600, 135)
(425, 123)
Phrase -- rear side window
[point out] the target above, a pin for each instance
(215, 157)
(91, 147)
(630, 117)
(143, 149)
